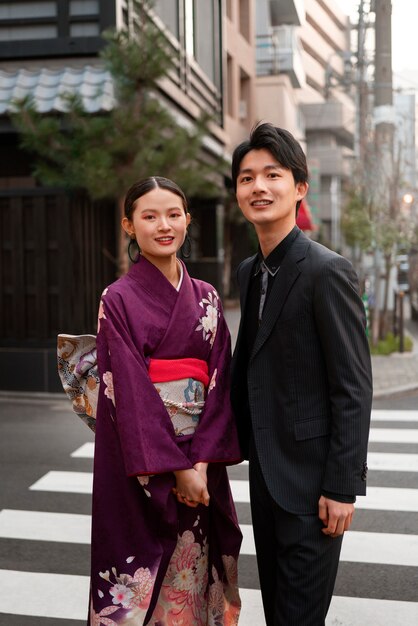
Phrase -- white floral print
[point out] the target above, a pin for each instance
(144, 480)
(128, 592)
(121, 595)
(212, 383)
(208, 323)
(101, 314)
(109, 390)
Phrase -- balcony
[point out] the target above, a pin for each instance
(280, 53)
(333, 160)
(332, 116)
(287, 12)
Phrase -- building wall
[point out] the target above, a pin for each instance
(239, 71)
(277, 102)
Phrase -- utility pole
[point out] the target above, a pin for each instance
(384, 119)
(362, 91)
(383, 90)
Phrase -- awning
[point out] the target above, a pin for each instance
(93, 84)
(304, 219)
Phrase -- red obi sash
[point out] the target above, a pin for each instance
(166, 370)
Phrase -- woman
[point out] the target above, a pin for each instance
(165, 537)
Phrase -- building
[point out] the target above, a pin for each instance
(303, 84)
(57, 250)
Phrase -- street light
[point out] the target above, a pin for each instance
(407, 198)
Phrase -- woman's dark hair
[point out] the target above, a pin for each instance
(142, 187)
(282, 145)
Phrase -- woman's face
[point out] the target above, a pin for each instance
(159, 222)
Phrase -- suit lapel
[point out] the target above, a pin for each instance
(244, 284)
(286, 277)
(245, 276)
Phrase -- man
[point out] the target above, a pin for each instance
(301, 385)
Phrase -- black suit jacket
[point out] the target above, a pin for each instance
(305, 391)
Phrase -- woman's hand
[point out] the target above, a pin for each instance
(191, 488)
(201, 468)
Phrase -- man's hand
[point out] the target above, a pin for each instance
(336, 516)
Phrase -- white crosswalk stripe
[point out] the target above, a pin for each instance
(59, 596)
(394, 416)
(393, 435)
(44, 526)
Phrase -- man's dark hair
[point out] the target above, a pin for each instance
(282, 145)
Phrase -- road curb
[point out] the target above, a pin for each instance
(394, 391)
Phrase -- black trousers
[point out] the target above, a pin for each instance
(297, 563)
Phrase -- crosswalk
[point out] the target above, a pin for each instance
(377, 583)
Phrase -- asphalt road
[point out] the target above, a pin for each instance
(44, 557)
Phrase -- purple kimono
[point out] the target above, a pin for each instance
(156, 561)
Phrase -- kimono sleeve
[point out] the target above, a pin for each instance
(216, 439)
(146, 434)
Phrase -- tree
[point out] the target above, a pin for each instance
(104, 154)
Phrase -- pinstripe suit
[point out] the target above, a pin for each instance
(303, 397)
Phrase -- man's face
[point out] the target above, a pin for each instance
(266, 192)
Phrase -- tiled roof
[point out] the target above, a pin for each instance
(94, 85)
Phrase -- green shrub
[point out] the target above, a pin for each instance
(391, 344)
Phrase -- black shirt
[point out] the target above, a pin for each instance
(265, 271)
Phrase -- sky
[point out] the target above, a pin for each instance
(404, 39)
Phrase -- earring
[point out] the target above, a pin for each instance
(133, 242)
(186, 248)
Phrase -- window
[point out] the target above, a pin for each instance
(244, 96)
(168, 11)
(19, 33)
(207, 39)
(244, 18)
(84, 7)
(189, 27)
(230, 86)
(13, 10)
(84, 29)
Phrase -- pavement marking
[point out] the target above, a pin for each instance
(389, 499)
(240, 490)
(45, 526)
(393, 435)
(392, 462)
(380, 548)
(388, 415)
(346, 611)
(361, 547)
(65, 482)
(61, 596)
(86, 451)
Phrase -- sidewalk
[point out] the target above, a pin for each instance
(393, 374)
